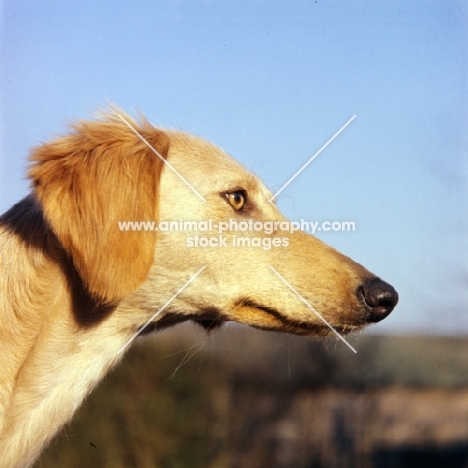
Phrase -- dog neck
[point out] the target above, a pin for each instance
(56, 358)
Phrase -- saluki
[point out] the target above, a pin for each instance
(77, 284)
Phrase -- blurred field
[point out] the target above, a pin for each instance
(247, 399)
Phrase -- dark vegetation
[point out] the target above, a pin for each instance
(248, 399)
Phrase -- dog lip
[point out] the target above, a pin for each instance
(254, 305)
(295, 326)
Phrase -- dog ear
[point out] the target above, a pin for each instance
(89, 181)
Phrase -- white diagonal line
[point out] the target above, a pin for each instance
(312, 158)
(147, 143)
(161, 309)
(312, 309)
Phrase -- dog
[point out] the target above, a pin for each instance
(77, 285)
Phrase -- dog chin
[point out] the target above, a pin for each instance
(209, 319)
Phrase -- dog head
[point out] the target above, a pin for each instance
(114, 171)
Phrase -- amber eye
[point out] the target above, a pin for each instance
(236, 199)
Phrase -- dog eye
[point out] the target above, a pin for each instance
(237, 199)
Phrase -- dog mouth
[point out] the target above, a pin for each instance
(273, 320)
(251, 313)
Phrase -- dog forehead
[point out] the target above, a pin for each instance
(196, 151)
(203, 162)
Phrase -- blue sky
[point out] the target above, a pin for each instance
(271, 82)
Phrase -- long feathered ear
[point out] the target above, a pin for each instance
(89, 181)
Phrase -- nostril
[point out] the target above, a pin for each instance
(380, 298)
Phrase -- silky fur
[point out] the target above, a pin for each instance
(74, 288)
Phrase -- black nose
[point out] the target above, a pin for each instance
(379, 297)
